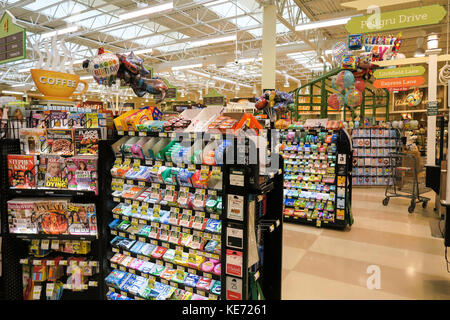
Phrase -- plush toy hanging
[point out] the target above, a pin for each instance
(129, 69)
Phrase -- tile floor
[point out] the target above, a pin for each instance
(321, 263)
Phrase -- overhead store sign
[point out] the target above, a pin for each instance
(413, 71)
(399, 19)
(12, 40)
(406, 82)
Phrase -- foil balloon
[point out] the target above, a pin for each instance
(344, 80)
(338, 51)
(336, 101)
(353, 97)
(104, 67)
(261, 104)
(360, 85)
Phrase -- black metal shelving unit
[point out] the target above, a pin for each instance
(342, 181)
(15, 245)
(238, 180)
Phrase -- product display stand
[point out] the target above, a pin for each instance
(15, 246)
(371, 153)
(317, 178)
(248, 212)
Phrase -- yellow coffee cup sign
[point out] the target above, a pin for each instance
(57, 85)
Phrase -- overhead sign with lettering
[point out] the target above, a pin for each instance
(406, 82)
(399, 19)
(412, 71)
(12, 40)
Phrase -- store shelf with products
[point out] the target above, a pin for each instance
(44, 225)
(372, 147)
(317, 190)
(169, 223)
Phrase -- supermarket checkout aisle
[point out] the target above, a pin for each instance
(321, 263)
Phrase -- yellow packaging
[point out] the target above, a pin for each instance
(120, 122)
(139, 118)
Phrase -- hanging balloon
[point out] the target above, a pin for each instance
(336, 101)
(104, 67)
(338, 51)
(261, 104)
(344, 80)
(333, 83)
(353, 97)
(360, 85)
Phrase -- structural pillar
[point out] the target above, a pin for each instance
(431, 120)
(269, 42)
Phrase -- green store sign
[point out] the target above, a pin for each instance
(12, 40)
(400, 19)
(399, 72)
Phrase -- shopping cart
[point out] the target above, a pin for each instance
(403, 180)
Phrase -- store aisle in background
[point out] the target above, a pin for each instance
(331, 264)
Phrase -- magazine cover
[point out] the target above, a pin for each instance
(78, 219)
(22, 171)
(60, 141)
(51, 216)
(86, 173)
(71, 168)
(86, 141)
(59, 119)
(91, 120)
(20, 216)
(33, 140)
(92, 218)
(56, 173)
(77, 120)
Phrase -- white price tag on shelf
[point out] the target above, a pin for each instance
(49, 289)
(45, 244)
(55, 245)
(37, 292)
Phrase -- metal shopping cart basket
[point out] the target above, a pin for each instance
(403, 180)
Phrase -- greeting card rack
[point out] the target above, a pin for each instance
(16, 246)
(317, 178)
(250, 234)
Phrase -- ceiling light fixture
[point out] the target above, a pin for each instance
(322, 24)
(24, 70)
(149, 50)
(147, 11)
(59, 32)
(188, 66)
(205, 42)
(11, 92)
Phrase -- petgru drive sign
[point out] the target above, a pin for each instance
(399, 19)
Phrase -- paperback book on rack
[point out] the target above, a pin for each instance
(22, 171)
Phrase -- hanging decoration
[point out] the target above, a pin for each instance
(130, 71)
(336, 101)
(274, 100)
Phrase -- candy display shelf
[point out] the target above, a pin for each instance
(317, 186)
(371, 155)
(186, 235)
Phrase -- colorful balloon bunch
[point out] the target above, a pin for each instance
(274, 100)
(349, 88)
(107, 66)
